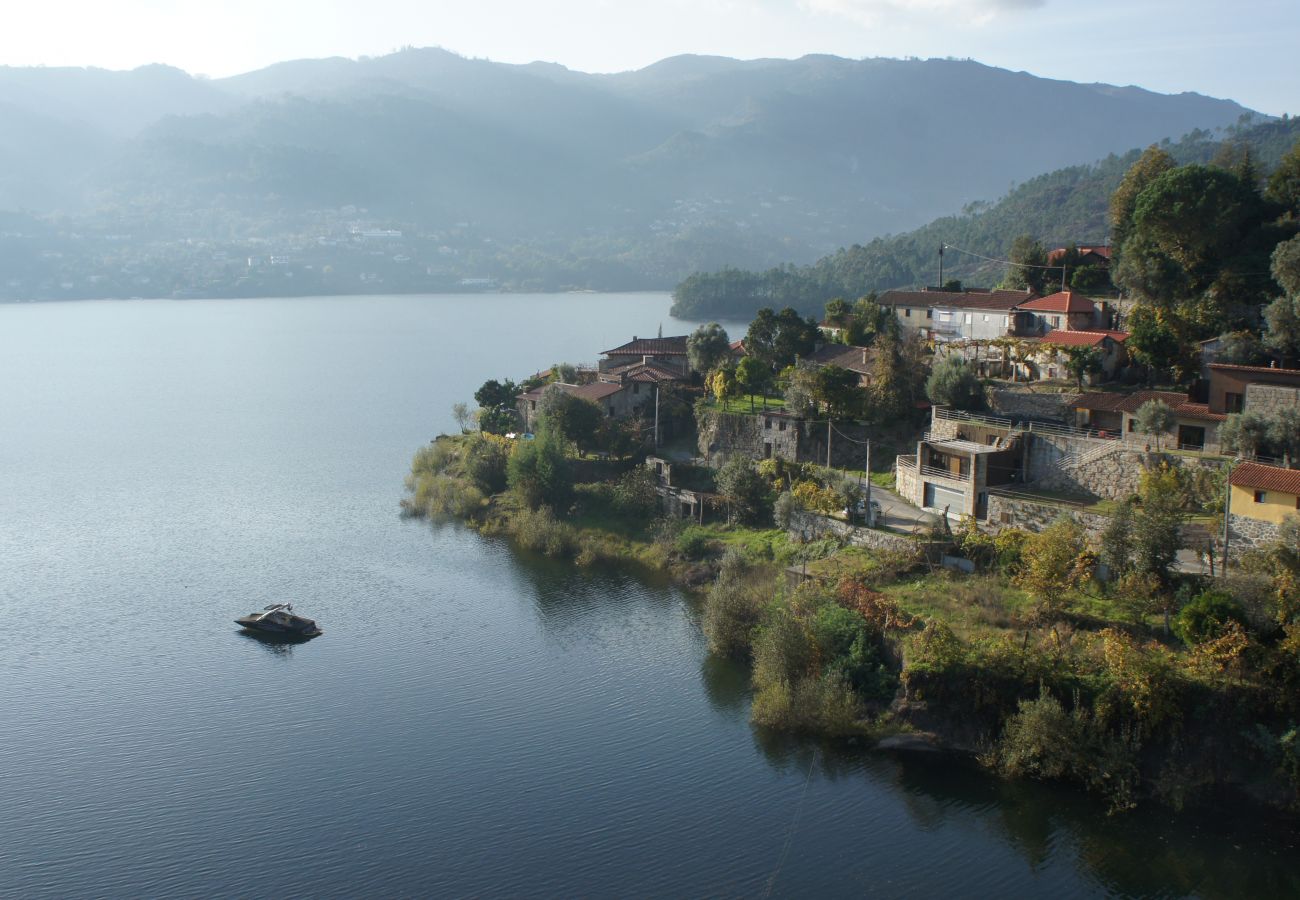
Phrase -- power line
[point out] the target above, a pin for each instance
(996, 260)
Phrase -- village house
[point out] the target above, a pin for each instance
(1195, 424)
(1262, 389)
(975, 315)
(955, 466)
(857, 360)
(615, 400)
(1064, 311)
(1050, 360)
(1260, 498)
(668, 353)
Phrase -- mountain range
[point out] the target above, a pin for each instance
(536, 175)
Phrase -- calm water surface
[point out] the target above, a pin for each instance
(473, 722)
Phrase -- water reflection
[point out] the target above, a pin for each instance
(277, 645)
(726, 684)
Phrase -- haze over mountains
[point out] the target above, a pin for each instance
(533, 176)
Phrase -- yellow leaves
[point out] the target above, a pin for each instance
(1222, 653)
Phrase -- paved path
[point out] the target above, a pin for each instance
(895, 512)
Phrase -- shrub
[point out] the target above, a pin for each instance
(745, 491)
(784, 510)
(692, 543)
(486, 460)
(1208, 616)
(821, 705)
(733, 608)
(634, 493)
(539, 531)
(539, 472)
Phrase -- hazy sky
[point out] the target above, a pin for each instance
(1247, 50)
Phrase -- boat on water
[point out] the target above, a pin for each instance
(279, 620)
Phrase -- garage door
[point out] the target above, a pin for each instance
(937, 497)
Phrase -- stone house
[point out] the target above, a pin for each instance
(1196, 426)
(956, 315)
(957, 461)
(1062, 311)
(857, 360)
(616, 400)
(663, 352)
(1261, 389)
(1260, 498)
(1050, 361)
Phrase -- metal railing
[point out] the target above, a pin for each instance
(1035, 498)
(935, 472)
(957, 415)
(906, 462)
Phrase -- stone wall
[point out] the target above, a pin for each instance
(795, 440)
(1250, 533)
(1035, 406)
(944, 429)
(1031, 515)
(1270, 398)
(816, 526)
(1111, 470)
(907, 484)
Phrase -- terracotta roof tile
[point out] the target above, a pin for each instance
(1060, 338)
(669, 346)
(956, 299)
(1260, 370)
(1062, 302)
(855, 359)
(1268, 478)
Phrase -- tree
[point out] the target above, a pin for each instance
(1244, 433)
(1155, 417)
(1151, 164)
(1081, 362)
(1283, 432)
(801, 392)
(538, 470)
(745, 491)
(779, 338)
(724, 385)
(754, 378)
(708, 347)
(1153, 343)
(1286, 265)
(1207, 615)
(570, 418)
(1240, 348)
(1028, 271)
(1282, 327)
(1053, 562)
(564, 373)
(460, 412)
(837, 389)
(837, 310)
(1284, 183)
(954, 383)
(1117, 540)
(1157, 526)
(495, 393)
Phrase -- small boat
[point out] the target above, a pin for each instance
(279, 619)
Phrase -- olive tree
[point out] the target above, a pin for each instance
(1154, 418)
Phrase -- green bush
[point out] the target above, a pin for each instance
(539, 472)
(733, 608)
(539, 531)
(1207, 615)
(692, 543)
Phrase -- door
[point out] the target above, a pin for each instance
(937, 497)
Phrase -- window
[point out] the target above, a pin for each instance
(1006, 518)
(929, 314)
(780, 426)
(1259, 496)
(1232, 402)
(907, 313)
(1297, 502)
(1006, 321)
(1132, 425)
(767, 423)
(968, 317)
(636, 387)
(1056, 321)
(986, 318)
(611, 412)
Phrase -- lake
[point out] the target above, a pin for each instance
(474, 721)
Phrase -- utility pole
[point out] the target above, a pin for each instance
(1227, 517)
(866, 474)
(657, 413)
(941, 246)
(828, 440)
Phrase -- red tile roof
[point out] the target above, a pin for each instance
(649, 373)
(855, 359)
(1179, 404)
(1062, 302)
(1098, 249)
(1060, 338)
(669, 346)
(596, 391)
(1267, 478)
(956, 299)
(1262, 370)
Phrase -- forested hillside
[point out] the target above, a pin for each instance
(1061, 207)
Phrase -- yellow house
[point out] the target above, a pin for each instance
(1264, 493)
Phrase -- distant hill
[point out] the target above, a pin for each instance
(1061, 207)
(539, 176)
